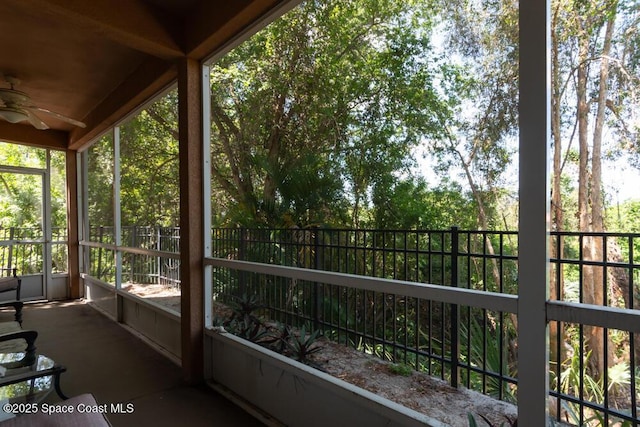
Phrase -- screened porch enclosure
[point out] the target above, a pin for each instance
(33, 234)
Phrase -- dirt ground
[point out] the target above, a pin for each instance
(160, 294)
(418, 391)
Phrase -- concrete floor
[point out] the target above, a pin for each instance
(105, 359)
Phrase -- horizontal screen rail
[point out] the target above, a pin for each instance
(594, 315)
(459, 296)
(128, 249)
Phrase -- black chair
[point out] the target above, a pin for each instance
(12, 283)
(22, 341)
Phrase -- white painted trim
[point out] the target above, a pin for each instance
(94, 281)
(533, 254)
(595, 315)
(206, 194)
(22, 170)
(47, 262)
(360, 399)
(117, 223)
(82, 173)
(172, 357)
(171, 314)
(128, 249)
(154, 306)
(467, 297)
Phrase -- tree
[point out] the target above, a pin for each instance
(331, 98)
(149, 181)
(482, 94)
(482, 98)
(409, 204)
(591, 64)
(21, 194)
(100, 183)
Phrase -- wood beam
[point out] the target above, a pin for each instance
(149, 79)
(215, 25)
(130, 23)
(191, 219)
(28, 135)
(73, 241)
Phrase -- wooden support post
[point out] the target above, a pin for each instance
(73, 245)
(191, 219)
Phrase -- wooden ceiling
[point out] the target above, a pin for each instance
(96, 61)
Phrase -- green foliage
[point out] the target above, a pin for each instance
(482, 56)
(619, 376)
(321, 109)
(21, 207)
(244, 322)
(591, 58)
(100, 182)
(248, 329)
(474, 423)
(575, 374)
(409, 204)
(58, 190)
(21, 200)
(378, 350)
(624, 217)
(316, 119)
(485, 351)
(401, 369)
(21, 194)
(280, 337)
(149, 184)
(575, 380)
(245, 307)
(303, 345)
(22, 156)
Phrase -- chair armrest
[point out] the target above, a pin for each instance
(17, 306)
(30, 353)
(13, 283)
(9, 284)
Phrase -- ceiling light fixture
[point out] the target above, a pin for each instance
(13, 115)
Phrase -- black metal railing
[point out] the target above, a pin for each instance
(473, 347)
(22, 248)
(137, 268)
(442, 339)
(594, 370)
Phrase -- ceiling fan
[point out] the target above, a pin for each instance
(16, 106)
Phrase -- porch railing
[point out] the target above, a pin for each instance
(145, 263)
(22, 248)
(467, 337)
(475, 347)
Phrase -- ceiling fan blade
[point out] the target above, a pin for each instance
(35, 121)
(57, 115)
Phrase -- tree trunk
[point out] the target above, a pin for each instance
(591, 288)
(600, 360)
(557, 219)
(590, 200)
(483, 224)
